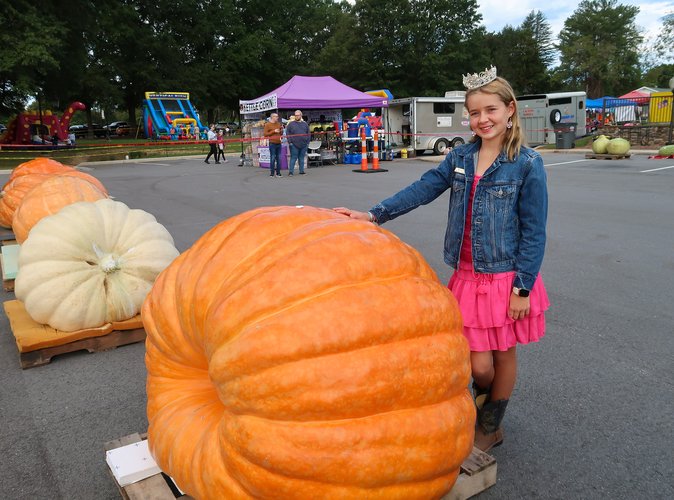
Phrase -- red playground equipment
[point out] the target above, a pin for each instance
(25, 126)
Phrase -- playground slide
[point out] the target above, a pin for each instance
(165, 112)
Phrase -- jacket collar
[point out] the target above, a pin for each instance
(472, 148)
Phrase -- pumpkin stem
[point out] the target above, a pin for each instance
(109, 264)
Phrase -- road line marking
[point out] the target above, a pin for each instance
(655, 169)
(563, 163)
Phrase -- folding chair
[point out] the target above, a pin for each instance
(313, 156)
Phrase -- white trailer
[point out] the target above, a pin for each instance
(427, 123)
(541, 114)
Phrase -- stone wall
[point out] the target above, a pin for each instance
(642, 135)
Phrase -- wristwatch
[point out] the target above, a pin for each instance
(521, 292)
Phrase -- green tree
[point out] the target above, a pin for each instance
(78, 77)
(599, 48)
(342, 51)
(538, 26)
(264, 44)
(421, 50)
(31, 39)
(517, 56)
(442, 34)
(659, 76)
(664, 43)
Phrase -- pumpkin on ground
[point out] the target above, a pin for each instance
(91, 264)
(294, 352)
(40, 166)
(49, 197)
(13, 192)
(618, 146)
(599, 145)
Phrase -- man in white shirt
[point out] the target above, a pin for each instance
(212, 143)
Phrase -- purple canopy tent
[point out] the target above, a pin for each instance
(312, 92)
(308, 93)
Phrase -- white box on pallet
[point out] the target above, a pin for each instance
(131, 463)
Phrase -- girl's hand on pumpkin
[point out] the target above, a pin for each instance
(518, 307)
(352, 213)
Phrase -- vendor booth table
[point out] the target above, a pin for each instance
(264, 157)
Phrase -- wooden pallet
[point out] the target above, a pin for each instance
(95, 344)
(37, 344)
(593, 156)
(478, 473)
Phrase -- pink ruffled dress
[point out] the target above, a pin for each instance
(483, 300)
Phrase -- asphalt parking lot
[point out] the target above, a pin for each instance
(592, 415)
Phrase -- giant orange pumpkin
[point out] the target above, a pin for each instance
(297, 353)
(40, 166)
(13, 192)
(49, 197)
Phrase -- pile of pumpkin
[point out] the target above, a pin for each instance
(85, 260)
(291, 352)
(617, 146)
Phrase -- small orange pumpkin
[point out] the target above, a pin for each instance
(13, 192)
(294, 352)
(49, 197)
(40, 166)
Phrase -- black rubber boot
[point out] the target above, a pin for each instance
(480, 395)
(489, 432)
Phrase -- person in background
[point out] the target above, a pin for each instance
(72, 139)
(298, 136)
(212, 144)
(220, 155)
(495, 240)
(273, 131)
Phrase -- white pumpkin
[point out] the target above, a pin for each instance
(91, 263)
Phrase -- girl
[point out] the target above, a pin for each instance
(220, 153)
(495, 240)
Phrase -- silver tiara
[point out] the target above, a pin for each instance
(479, 79)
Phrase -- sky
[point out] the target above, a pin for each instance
(497, 13)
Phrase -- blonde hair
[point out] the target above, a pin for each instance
(514, 137)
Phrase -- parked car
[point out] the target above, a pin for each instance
(81, 130)
(118, 128)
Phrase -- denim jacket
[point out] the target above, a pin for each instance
(510, 209)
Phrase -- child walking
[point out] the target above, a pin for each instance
(495, 240)
(220, 153)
